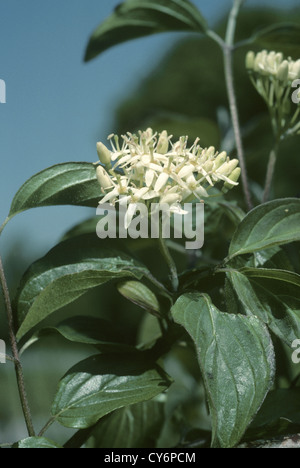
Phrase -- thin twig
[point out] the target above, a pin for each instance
(228, 65)
(15, 352)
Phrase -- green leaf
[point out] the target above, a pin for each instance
(101, 384)
(282, 36)
(71, 183)
(274, 223)
(67, 272)
(87, 226)
(36, 442)
(279, 415)
(234, 212)
(135, 426)
(276, 274)
(85, 330)
(236, 358)
(137, 18)
(139, 294)
(271, 295)
(274, 258)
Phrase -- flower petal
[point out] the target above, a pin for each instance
(161, 181)
(149, 177)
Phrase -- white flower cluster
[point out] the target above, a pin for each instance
(275, 79)
(273, 64)
(149, 168)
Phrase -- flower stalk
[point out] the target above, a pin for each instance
(270, 173)
(170, 262)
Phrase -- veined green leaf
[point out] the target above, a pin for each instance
(271, 295)
(73, 183)
(67, 272)
(282, 36)
(236, 358)
(275, 274)
(279, 414)
(274, 223)
(137, 18)
(101, 384)
(85, 330)
(135, 426)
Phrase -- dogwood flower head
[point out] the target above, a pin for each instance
(150, 168)
(274, 76)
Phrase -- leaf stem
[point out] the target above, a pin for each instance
(15, 352)
(170, 262)
(4, 224)
(270, 172)
(159, 285)
(215, 37)
(228, 49)
(47, 425)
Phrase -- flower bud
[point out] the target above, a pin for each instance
(257, 62)
(295, 70)
(104, 154)
(229, 167)
(148, 133)
(283, 71)
(103, 178)
(234, 177)
(250, 59)
(139, 294)
(163, 143)
(208, 166)
(279, 58)
(271, 60)
(210, 152)
(220, 159)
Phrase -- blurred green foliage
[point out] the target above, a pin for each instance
(186, 95)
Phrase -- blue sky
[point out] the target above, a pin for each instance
(57, 106)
